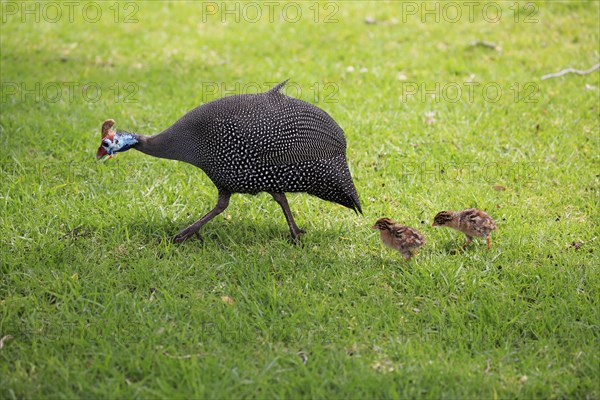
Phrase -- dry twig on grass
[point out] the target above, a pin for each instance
(4, 339)
(571, 71)
(486, 44)
(488, 366)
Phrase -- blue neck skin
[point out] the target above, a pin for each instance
(124, 141)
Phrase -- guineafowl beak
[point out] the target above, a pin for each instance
(107, 138)
(102, 153)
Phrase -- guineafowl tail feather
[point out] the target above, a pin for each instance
(352, 201)
(277, 88)
(349, 200)
(335, 184)
(356, 202)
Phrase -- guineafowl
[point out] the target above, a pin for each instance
(251, 143)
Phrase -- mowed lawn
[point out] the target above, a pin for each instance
(443, 108)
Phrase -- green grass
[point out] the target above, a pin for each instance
(99, 304)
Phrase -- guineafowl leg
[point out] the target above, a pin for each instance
(193, 229)
(282, 201)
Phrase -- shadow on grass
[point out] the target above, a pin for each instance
(222, 232)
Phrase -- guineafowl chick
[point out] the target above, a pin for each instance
(470, 221)
(402, 238)
(251, 143)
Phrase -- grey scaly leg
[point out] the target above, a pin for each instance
(193, 229)
(282, 201)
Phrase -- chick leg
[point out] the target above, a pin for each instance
(469, 240)
(193, 229)
(489, 242)
(282, 201)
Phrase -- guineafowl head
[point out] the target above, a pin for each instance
(113, 141)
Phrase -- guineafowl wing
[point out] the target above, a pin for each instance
(299, 132)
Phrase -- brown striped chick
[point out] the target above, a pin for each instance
(471, 221)
(402, 238)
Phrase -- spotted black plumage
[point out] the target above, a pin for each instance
(266, 142)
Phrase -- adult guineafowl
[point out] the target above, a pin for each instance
(251, 143)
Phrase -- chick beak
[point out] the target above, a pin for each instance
(374, 227)
(434, 224)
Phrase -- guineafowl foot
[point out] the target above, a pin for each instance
(294, 230)
(296, 236)
(194, 229)
(185, 235)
